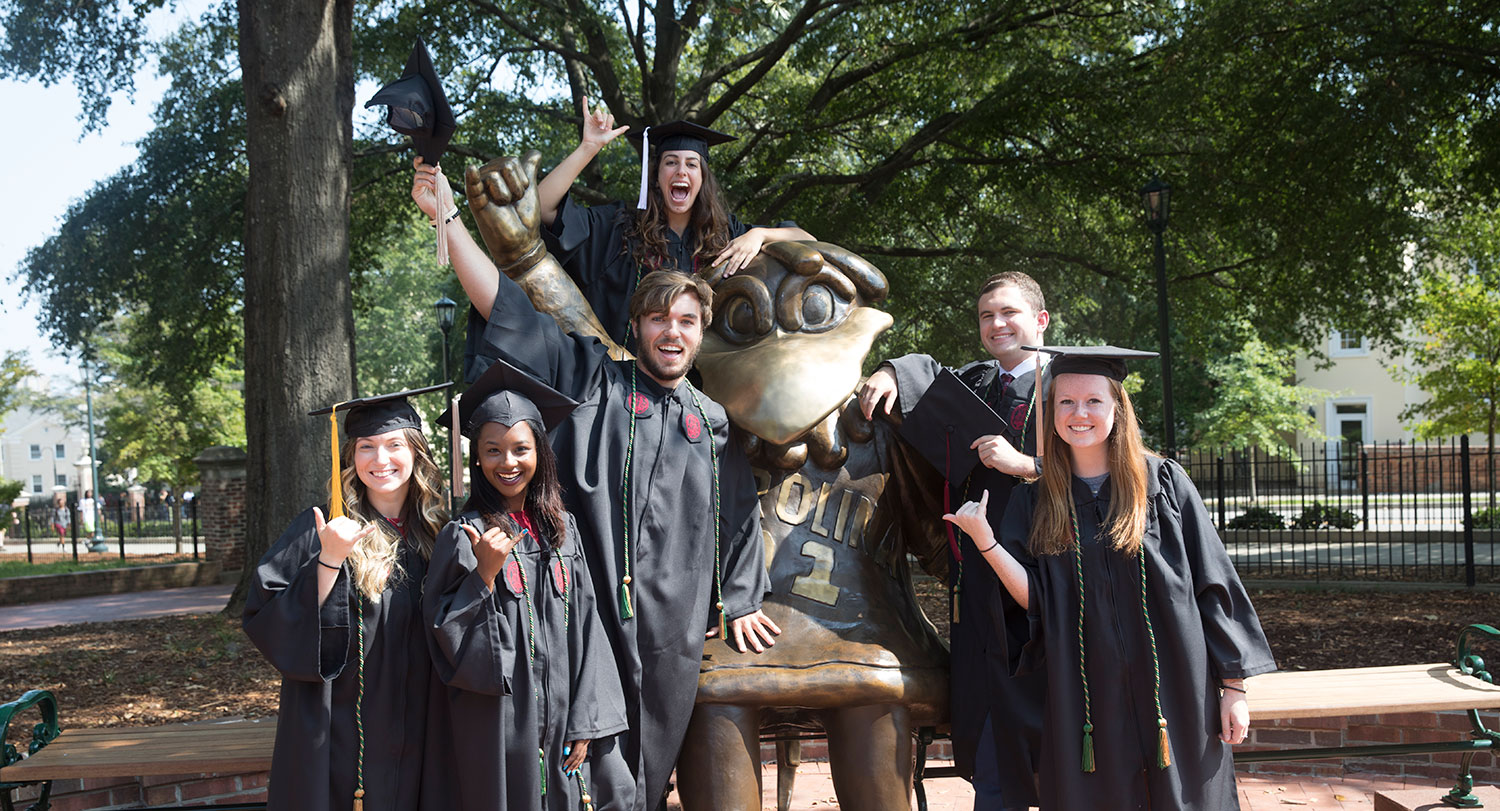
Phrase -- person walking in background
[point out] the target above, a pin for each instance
(87, 514)
(61, 520)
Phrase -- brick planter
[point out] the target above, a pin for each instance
(43, 587)
(1364, 730)
(138, 792)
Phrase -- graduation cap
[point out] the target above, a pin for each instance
(674, 135)
(507, 395)
(368, 416)
(945, 422)
(417, 107)
(1090, 360)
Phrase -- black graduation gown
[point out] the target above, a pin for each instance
(590, 243)
(1206, 631)
(981, 684)
(315, 648)
(498, 702)
(671, 541)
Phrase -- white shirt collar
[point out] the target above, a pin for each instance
(1021, 368)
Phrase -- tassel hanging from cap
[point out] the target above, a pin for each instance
(1163, 749)
(640, 202)
(336, 484)
(444, 199)
(1088, 747)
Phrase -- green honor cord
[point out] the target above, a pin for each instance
(626, 609)
(1163, 748)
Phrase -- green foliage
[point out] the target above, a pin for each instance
(158, 432)
(15, 367)
(395, 326)
(1322, 516)
(9, 491)
(1457, 360)
(1487, 518)
(1255, 403)
(161, 239)
(1258, 518)
(944, 141)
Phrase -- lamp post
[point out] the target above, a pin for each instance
(97, 544)
(1156, 197)
(445, 308)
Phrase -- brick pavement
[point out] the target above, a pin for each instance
(814, 791)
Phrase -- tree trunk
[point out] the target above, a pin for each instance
(297, 60)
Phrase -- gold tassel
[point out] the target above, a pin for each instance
(626, 611)
(359, 800)
(1163, 750)
(723, 623)
(588, 803)
(336, 485)
(956, 593)
(1088, 747)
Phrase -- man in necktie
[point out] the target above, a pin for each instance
(996, 718)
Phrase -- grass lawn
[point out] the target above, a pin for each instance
(20, 568)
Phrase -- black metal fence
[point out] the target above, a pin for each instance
(1353, 511)
(114, 529)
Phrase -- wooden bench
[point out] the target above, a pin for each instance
(1463, 685)
(211, 747)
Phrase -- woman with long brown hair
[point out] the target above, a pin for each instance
(1136, 613)
(680, 221)
(335, 606)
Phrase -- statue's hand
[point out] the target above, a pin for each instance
(502, 196)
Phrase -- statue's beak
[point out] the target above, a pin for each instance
(788, 382)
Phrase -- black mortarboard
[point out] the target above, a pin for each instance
(682, 135)
(507, 395)
(368, 416)
(945, 422)
(417, 106)
(674, 135)
(1089, 360)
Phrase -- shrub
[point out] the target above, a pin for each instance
(1258, 518)
(1321, 516)
(1487, 518)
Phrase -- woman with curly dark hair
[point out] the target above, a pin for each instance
(679, 223)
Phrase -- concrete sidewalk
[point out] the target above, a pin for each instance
(109, 607)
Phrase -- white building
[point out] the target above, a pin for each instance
(37, 450)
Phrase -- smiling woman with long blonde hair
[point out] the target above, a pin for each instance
(335, 605)
(1137, 617)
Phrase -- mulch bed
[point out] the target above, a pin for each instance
(175, 669)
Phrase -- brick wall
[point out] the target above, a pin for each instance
(1365, 730)
(42, 587)
(135, 792)
(221, 505)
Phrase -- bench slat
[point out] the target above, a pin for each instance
(1367, 691)
(227, 747)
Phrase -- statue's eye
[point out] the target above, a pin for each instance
(744, 309)
(741, 317)
(817, 305)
